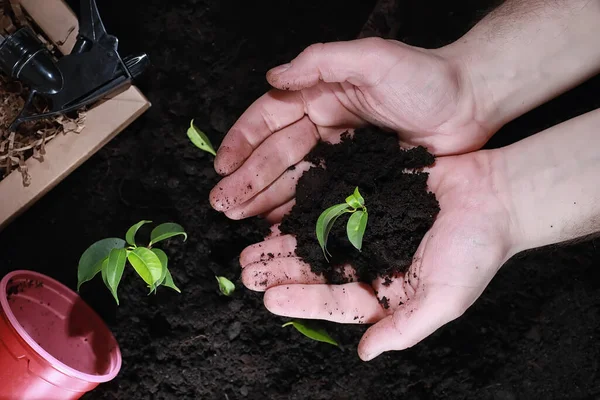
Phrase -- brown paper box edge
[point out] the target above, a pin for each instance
(67, 152)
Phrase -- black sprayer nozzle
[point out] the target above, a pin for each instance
(23, 57)
(92, 71)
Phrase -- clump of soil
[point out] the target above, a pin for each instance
(400, 206)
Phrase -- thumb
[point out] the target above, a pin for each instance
(360, 62)
(410, 324)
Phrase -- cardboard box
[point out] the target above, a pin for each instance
(64, 153)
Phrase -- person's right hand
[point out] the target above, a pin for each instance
(471, 238)
(329, 88)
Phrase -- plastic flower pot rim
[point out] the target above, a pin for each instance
(24, 336)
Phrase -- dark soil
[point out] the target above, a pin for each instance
(532, 335)
(400, 207)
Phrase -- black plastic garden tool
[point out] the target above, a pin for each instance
(93, 70)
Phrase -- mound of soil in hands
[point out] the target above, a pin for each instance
(394, 186)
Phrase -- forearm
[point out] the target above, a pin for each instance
(550, 183)
(527, 52)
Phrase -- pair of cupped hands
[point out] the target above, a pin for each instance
(335, 87)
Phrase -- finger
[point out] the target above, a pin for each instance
(276, 154)
(272, 112)
(360, 62)
(281, 246)
(383, 331)
(277, 214)
(278, 193)
(351, 303)
(262, 275)
(410, 324)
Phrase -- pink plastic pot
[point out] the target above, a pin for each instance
(52, 344)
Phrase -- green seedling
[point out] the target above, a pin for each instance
(313, 333)
(355, 228)
(225, 285)
(200, 139)
(109, 257)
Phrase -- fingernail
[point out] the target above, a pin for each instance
(281, 69)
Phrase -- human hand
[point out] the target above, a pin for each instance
(503, 67)
(331, 88)
(454, 263)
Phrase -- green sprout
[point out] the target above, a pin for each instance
(200, 139)
(109, 257)
(313, 333)
(225, 285)
(355, 228)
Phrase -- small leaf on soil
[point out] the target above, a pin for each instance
(225, 285)
(359, 197)
(169, 282)
(165, 231)
(130, 235)
(200, 139)
(313, 333)
(357, 223)
(353, 202)
(103, 272)
(147, 265)
(326, 221)
(164, 260)
(114, 270)
(91, 260)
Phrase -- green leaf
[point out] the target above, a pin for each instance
(165, 231)
(103, 273)
(114, 270)
(162, 256)
(169, 282)
(359, 197)
(225, 285)
(130, 235)
(357, 223)
(353, 202)
(326, 221)
(313, 333)
(91, 260)
(147, 265)
(200, 139)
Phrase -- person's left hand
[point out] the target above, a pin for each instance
(458, 257)
(425, 96)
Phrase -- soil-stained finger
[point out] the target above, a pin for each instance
(263, 275)
(270, 113)
(276, 215)
(268, 162)
(351, 303)
(276, 194)
(280, 246)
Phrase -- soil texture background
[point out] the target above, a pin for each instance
(532, 335)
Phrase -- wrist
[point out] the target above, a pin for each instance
(524, 54)
(482, 107)
(547, 183)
